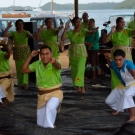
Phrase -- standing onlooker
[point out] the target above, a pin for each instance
(77, 52)
(85, 22)
(102, 60)
(120, 40)
(21, 50)
(49, 36)
(131, 25)
(92, 45)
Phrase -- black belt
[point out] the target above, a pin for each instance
(5, 77)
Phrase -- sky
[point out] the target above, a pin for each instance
(35, 3)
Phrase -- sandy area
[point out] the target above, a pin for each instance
(63, 58)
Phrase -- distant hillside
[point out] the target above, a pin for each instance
(126, 4)
(89, 6)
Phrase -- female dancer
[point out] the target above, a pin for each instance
(49, 36)
(77, 52)
(21, 50)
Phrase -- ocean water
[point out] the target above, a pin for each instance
(100, 16)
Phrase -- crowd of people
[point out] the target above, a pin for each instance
(83, 51)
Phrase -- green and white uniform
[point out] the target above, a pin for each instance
(120, 40)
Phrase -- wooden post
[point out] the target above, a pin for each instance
(52, 7)
(76, 7)
(14, 5)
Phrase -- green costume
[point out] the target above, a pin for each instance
(6, 83)
(21, 52)
(120, 40)
(77, 56)
(4, 63)
(47, 78)
(50, 38)
(84, 25)
(131, 25)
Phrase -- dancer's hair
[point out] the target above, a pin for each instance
(47, 19)
(119, 52)
(117, 21)
(74, 19)
(45, 47)
(17, 21)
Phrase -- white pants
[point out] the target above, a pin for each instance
(120, 99)
(2, 94)
(47, 114)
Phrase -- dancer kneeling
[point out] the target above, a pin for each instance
(48, 81)
(6, 82)
(121, 96)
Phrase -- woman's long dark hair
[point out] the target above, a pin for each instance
(117, 21)
(74, 19)
(17, 21)
(47, 19)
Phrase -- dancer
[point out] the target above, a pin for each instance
(131, 25)
(6, 82)
(49, 36)
(48, 82)
(120, 38)
(21, 50)
(77, 52)
(121, 97)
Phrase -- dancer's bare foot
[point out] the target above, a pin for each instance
(77, 91)
(82, 90)
(131, 119)
(26, 86)
(5, 102)
(115, 113)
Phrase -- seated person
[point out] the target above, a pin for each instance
(48, 79)
(102, 45)
(6, 82)
(102, 59)
(121, 97)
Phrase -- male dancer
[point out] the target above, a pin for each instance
(121, 97)
(48, 81)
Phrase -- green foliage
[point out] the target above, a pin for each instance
(126, 4)
(89, 6)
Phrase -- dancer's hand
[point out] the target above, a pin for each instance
(9, 24)
(41, 27)
(67, 26)
(34, 53)
(107, 56)
(96, 29)
(60, 28)
(90, 45)
(34, 35)
(113, 29)
(53, 60)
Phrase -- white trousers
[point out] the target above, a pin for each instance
(47, 114)
(2, 94)
(120, 99)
